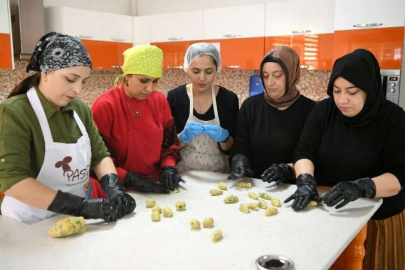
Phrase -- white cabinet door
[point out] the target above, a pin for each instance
(4, 17)
(369, 13)
(234, 22)
(299, 17)
(116, 27)
(85, 24)
(176, 26)
(141, 30)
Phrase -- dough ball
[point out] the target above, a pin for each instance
(150, 203)
(264, 196)
(231, 199)
(253, 196)
(313, 203)
(244, 184)
(155, 216)
(167, 212)
(271, 211)
(216, 236)
(174, 191)
(262, 204)
(195, 224)
(216, 192)
(208, 222)
(244, 208)
(157, 209)
(68, 226)
(275, 202)
(254, 206)
(180, 205)
(222, 186)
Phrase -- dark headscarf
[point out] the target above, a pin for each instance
(289, 61)
(56, 51)
(361, 68)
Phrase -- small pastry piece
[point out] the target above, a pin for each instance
(222, 186)
(167, 212)
(253, 196)
(264, 196)
(244, 184)
(254, 206)
(157, 209)
(216, 236)
(150, 203)
(208, 222)
(155, 216)
(180, 205)
(262, 204)
(275, 202)
(312, 203)
(174, 191)
(216, 192)
(195, 224)
(68, 226)
(231, 199)
(244, 208)
(271, 211)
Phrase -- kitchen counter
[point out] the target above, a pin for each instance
(312, 239)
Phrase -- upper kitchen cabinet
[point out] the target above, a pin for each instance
(299, 17)
(234, 22)
(141, 30)
(181, 26)
(116, 27)
(6, 52)
(369, 13)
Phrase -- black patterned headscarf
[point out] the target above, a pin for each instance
(56, 51)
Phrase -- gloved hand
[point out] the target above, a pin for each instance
(239, 167)
(169, 178)
(345, 192)
(69, 204)
(115, 192)
(278, 173)
(217, 133)
(142, 184)
(306, 191)
(191, 130)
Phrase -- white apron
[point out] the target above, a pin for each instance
(203, 153)
(66, 167)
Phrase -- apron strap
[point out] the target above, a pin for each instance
(214, 103)
(80, 123)
(39, 111)
(191, 100)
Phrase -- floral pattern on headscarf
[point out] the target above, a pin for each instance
(56, 51)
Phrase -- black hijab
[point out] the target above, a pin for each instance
(361, 68)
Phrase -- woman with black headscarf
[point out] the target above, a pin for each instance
(269, 124)
(48, 141)
(356, 142)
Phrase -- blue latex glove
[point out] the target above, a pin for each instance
(217, 133)
(191, 130)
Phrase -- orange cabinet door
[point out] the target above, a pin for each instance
(241, 53)
(385, 43)
(174, 52)
(96, 53)
(105, 54)
(6, 59)
(315, 51)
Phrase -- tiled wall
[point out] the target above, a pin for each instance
(312, 83)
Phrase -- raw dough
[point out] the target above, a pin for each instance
(208, 222)
(231, 199)
(275, 202)
(157, 209)
(271, 211)
(262, 204)
(264, 196)
(180, 205)
(68, 226)
(254, 206)
(174, 191)
(155, 216)
(150, 203)
(216, 236)
(222, 186)
(244, 208)
(253, 196)
(216, 192)
(167, 212)
(313, 203)
(195, 224)
(244, 184)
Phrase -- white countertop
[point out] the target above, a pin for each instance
(312, 239)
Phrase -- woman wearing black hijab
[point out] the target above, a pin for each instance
(356, 142)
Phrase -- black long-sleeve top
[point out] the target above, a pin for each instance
(266, 135)
(227, 106)
(344, 153)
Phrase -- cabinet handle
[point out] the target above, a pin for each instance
(366, 25)
(305, 66)
(231, 35)
(118, 67)
(232, 66)
(178, 67)
(85, 37)
(301, 31)
(175, 38)
(118, 39)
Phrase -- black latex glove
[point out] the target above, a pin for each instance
(69, 204)
(345, 192)
(169, 178)
(124, 203)
(278, 173)
(239, 167)
(306, 191)
(142, 184)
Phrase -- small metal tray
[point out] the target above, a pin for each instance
(274, 262)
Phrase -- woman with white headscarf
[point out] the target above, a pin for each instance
(205, 114)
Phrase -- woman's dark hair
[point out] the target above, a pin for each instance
(26, 84)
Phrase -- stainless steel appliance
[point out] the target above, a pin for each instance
(390, 81)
